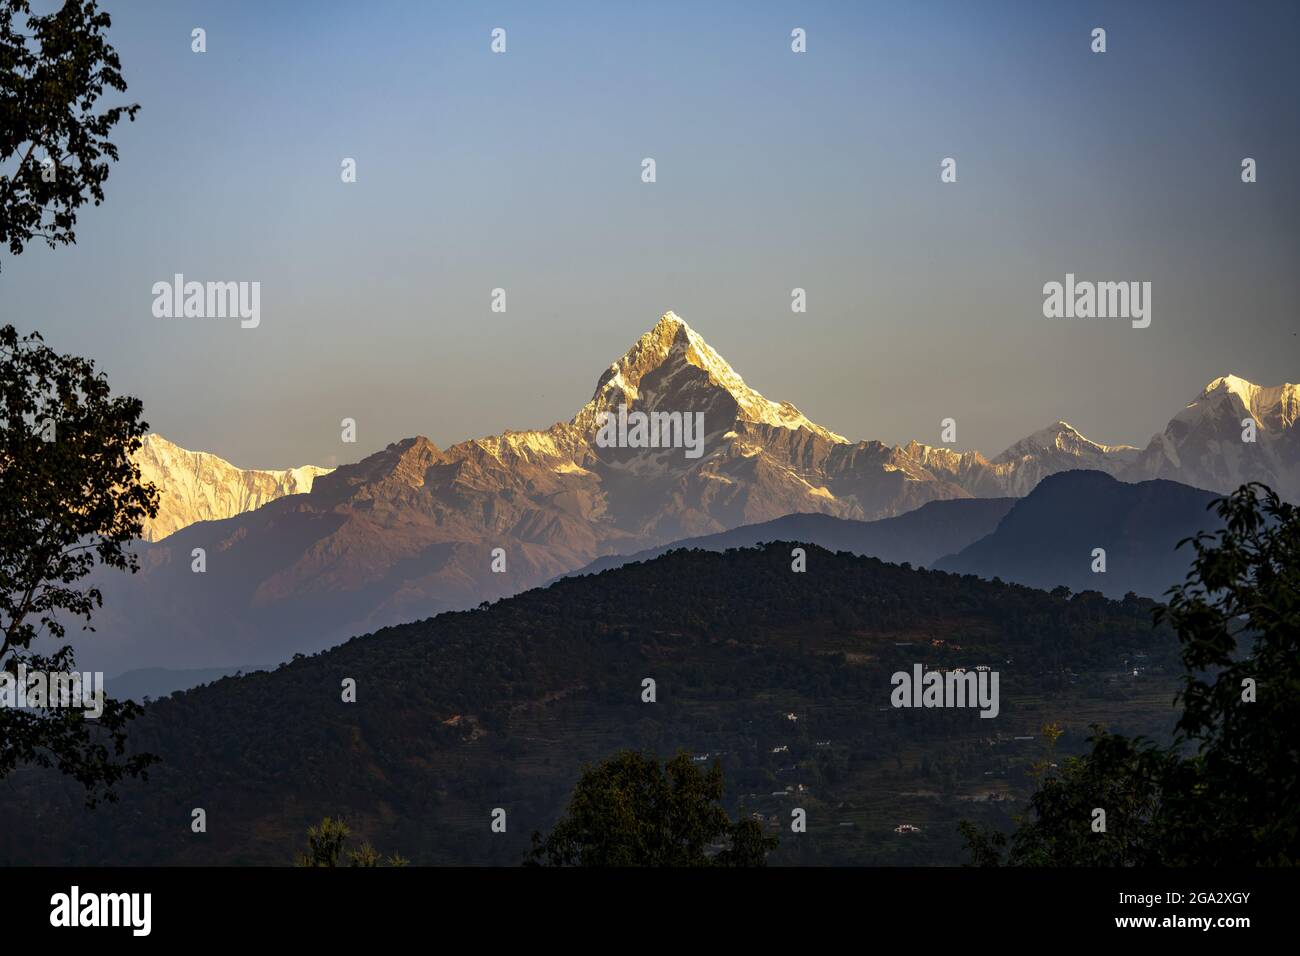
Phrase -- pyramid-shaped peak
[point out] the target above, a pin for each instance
(1059, 436)
(672, 344)
(1064, 436)
(670, 340)
(1058, 427)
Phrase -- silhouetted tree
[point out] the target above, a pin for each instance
(633, 811)
(53, 70)
(325, 848)
(325, 843)
(70, 496)
(1223, 793)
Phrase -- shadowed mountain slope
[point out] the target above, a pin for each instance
(918, 537)
(1048, 538)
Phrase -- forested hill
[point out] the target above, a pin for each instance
(499, 707)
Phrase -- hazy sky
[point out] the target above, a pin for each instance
(820, 170)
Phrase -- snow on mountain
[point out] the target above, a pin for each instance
(762, 458)
(1206, 444)
(196, 486)
(1056, 448)
(1065, 438)
(674, 345)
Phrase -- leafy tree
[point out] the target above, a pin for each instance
(633, 811)
(53, 71)
(70, 495)
(1224, 792)
(325, 843)
(325, 848)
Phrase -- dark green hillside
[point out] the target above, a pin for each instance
(500, 707)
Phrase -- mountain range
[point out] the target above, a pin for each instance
(413, 529)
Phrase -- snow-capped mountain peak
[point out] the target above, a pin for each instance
(1233, 384)
(198, 486)
(668, 352)
(1234, 431)
(1272, 407)
(1063, 437)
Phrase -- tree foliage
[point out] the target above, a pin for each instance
(70, 497)
(54, 146)
(1226, 792)
(325, 848)
(633, 811)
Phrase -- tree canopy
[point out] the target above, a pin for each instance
(632, 810)
(54, 145)
(1224, 792)
(70, 497)
(325, 843)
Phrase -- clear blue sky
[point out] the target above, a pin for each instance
(775, 170)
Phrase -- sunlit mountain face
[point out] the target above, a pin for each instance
(199, 486)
